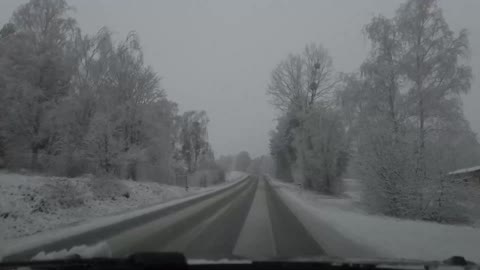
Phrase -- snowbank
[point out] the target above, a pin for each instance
(32, 204)
(465, 170)
(343, 229)
(100, 250)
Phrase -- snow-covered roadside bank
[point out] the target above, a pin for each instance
(12, 246)
(344, 230)
(32, 204)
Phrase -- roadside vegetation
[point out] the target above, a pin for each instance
(75, 104)
(397, 123)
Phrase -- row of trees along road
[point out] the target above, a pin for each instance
(74, 103)
(398, 122)
(240, 162)
(309, 143)
(243, 162)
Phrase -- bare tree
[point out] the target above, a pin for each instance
(287, 87)
(302, 79)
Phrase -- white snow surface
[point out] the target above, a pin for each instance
(343, 229)
(465, 170)
(31, 204)
(100, 250)
(63, 216)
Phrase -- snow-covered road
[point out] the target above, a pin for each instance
(262, 219)
(246, 220)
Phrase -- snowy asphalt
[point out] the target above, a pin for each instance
(252, 222)
(248, 220)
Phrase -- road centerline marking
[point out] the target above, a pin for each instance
(256, 240)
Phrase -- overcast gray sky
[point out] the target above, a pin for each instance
(217, 55)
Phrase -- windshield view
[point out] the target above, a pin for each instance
(233, 131)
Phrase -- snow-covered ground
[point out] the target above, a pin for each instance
(465, 170)
(54, 224)
(343, 229)
(98, 250)
(32, 204)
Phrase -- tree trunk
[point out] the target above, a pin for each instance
(420, 170)
(391, 102)
(132, 170)
(34, 159)
(422, 165)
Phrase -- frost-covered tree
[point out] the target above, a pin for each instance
(302, 88)
(261, 165)
(192, 139)
(113, 86)
(7, 30)
(81, 107)
(379, 128)
(406, 116)
(432, 62)
(242, 161)
(40, 52)
(281, 146)
(74, 103)
(5, 34)
(226, 162)
(325, 150)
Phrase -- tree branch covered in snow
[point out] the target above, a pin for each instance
(74, 103)
(398, 120)
(309, 144)
(406, 119)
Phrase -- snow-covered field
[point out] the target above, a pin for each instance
(343, 229)
(33, 204)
